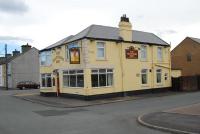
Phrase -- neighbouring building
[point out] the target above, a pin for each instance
(186, 57)
(22, 66)
(103, 61)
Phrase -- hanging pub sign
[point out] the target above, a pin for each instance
(74, 54)
(131, 53)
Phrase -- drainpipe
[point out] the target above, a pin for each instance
(122, 69)
(152, 68)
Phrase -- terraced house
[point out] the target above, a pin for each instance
(103, 61)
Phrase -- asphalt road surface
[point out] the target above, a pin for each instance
(22, 117)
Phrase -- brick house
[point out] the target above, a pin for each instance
(186, 56)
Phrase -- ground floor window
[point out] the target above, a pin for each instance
(159, 75)
(102, 77)
(144, 76)
(46, 80)
(73, 78)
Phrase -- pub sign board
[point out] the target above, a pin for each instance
(74, 54)
(131, 53)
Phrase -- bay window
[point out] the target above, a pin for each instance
(143, 52)
(73, 78)
(102, 77)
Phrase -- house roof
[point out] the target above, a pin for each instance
(195, 39)
(9, 59)
(110, 33)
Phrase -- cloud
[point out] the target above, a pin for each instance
(13, 6)
(12, 38)
(165, 32)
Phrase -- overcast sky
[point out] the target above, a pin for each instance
(43, 22)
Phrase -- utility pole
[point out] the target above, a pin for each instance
(6, 56)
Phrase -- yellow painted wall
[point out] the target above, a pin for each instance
(127, 72)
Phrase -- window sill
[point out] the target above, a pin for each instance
(74, 87)
(102, 87)
(144, 85)
(46, 87)
(101, 59)
(143, 60)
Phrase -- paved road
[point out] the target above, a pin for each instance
(22, 117)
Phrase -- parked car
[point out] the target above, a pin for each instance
(28, 84)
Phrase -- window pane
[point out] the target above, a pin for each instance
(144, 78)
(109, 70)
(109, 79)
(66, 80)
(43, 82)
(65, 72)
(94, 80)
(94, 71)
(102, 70)
(80, 81)
(72, 81)
(143, 52)
(48, 81)
(72, 72)
(102, 79)
(80, 71)
(100, 52)
(159, 53)
(100, 44)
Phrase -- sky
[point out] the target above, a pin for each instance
(44, 22)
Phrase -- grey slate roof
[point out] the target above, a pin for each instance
(110, 33)
(58, 43)
(195, 39)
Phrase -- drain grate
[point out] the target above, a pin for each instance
(58, 112)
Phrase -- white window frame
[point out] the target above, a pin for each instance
(158, 71)
(97, 72)
(48, 56)
(66, 53)
(144, 73)
(45, 76)
(159, 53)
(67, 73)
(143, 53)
(100, 47)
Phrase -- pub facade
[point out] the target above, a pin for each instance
(103, 61)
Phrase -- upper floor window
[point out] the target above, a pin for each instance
(45, 58)
(189, 57)
(159, 54)
(143, 52)
(144, 76)
(66, 52)
(158, 75)
(100, 50)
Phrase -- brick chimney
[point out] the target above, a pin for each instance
(25, 47)
(125, 28)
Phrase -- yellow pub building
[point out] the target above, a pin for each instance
(102, 61)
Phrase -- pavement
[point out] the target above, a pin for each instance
(62, 102)
(184, 120)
